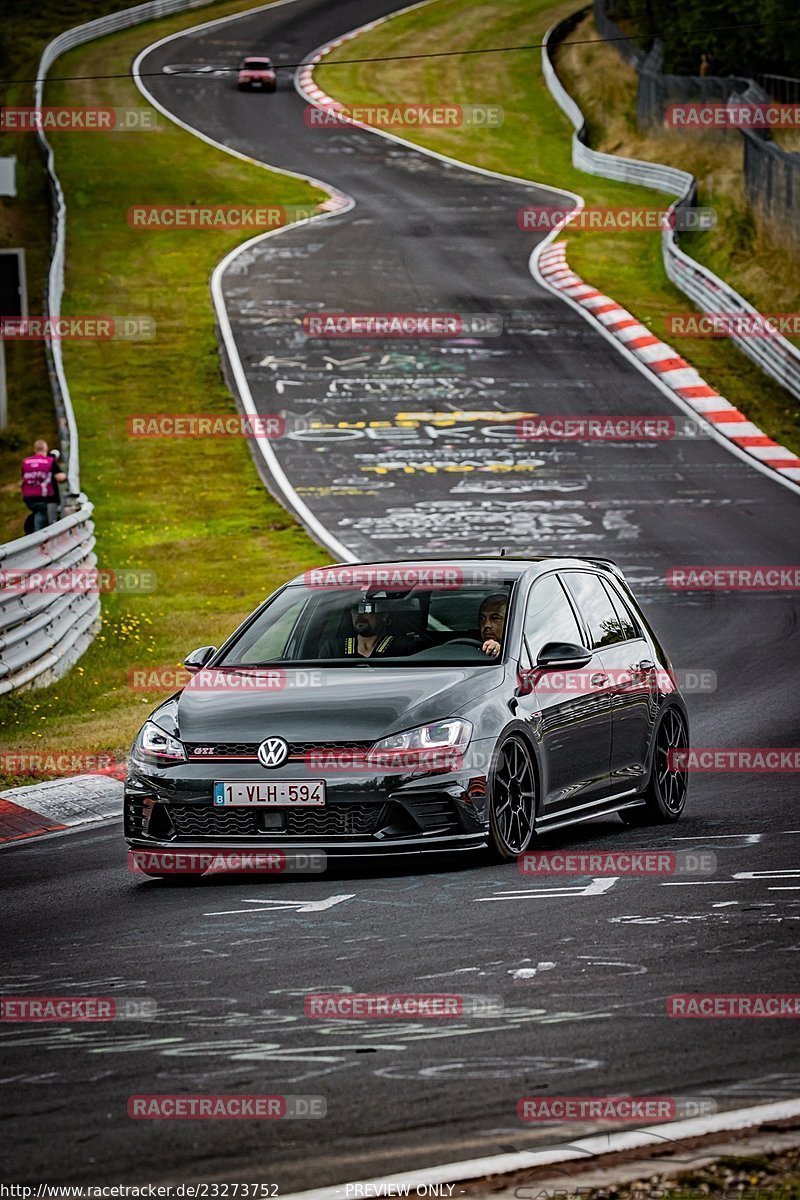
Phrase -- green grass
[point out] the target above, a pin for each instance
(192, 510)
(534, 143)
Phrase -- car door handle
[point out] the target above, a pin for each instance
(598, 679)
(643, 666)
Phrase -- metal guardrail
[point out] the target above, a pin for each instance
(774, 355)
(43, 633)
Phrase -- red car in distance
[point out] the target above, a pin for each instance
(257, 72)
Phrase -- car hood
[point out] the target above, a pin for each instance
(345, 704)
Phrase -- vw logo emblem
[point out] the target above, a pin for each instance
(273, 752)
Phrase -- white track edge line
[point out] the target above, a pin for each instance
(590, 1147)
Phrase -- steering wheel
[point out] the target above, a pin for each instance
(466, 642)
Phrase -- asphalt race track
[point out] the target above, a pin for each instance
(583, 969)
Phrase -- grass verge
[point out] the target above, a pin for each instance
(25, 221)
(534, 142)
(193, 511)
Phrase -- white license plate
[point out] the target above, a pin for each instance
(307, 793)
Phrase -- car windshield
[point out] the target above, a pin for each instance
(346, 626)
(257, 63)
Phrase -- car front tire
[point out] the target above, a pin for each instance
(512, 799)
(665, 794)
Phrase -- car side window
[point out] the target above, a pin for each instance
(549, 617)
(630, 627)
(605, 627)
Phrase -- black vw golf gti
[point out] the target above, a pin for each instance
(416, 706)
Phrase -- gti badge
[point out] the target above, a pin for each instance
(273, 752)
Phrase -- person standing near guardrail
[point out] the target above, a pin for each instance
(40, 480)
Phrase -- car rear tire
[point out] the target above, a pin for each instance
(665, 794)
(512, 800)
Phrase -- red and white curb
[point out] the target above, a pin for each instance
(305, 77)
(58, 805)
(678, 375)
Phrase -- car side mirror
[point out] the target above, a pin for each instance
(562, 656)
(198, 658)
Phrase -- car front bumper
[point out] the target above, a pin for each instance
(366, 813)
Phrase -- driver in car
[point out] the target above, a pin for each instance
(491, 623)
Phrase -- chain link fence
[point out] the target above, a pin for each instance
(771, 174)
(777, 356)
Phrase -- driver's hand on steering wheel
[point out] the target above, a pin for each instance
(492, 647)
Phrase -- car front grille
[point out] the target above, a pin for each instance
(346, 820)
(340, 820)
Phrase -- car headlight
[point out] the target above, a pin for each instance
(154, 744)
(439, 745)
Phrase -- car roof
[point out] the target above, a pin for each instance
(262, 58)
(513, 567)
